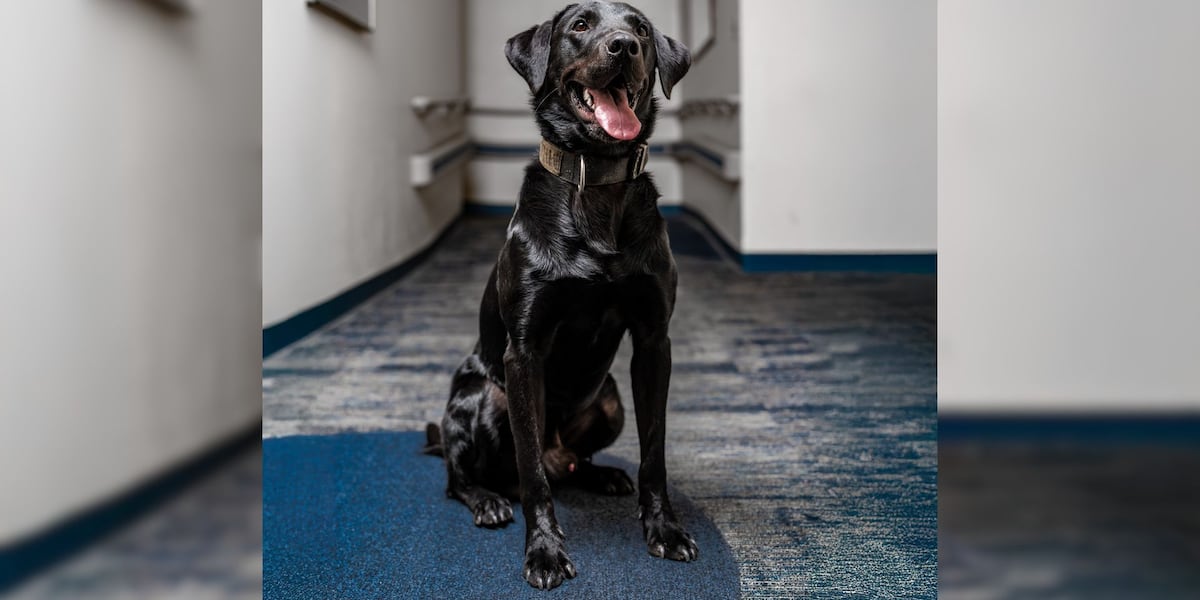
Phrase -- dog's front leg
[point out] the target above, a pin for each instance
(651, 373)
(546, 560)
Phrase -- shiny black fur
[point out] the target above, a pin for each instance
(535, 400)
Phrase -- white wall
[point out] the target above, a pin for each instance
(129, 229)
(715, 74)
(338, 131)
(1069, 206)
(839, 122)
(500, 96)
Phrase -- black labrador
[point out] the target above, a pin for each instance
(586, 260)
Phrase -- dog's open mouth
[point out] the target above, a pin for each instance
(610, 106)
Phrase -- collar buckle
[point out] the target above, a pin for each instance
(639, 160)
(582, 174)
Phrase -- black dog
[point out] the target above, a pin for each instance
(586, 260)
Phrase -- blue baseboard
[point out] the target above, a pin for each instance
(531, 150)
(916, 263)
(698, 217)
(924, 263)
(28, 557)
(504, 210)
(870, 263)
(1183, 428)
(507, 209)
(282, 334)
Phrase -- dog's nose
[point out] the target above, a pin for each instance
(622, 42)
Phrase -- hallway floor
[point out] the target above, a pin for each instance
(1073, 519)
(802, 417)
(202, 543)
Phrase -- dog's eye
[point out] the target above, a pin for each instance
(643, 31)
(580, 26)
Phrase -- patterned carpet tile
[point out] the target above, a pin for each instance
(802, 416)
(204, 543)
(1090, 520)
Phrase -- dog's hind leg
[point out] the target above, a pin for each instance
(470, 446)
(595, 428)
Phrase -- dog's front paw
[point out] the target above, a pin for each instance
(492, 512)
(547, 564)
(667, 539)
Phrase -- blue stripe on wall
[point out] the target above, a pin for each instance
(700, 151)
(916, 263)
(872, 263)
(1107, 428)
(532, 150)
(489, 209)
(449, 157)
(499, 150)
(507, 209)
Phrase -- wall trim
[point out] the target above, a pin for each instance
(426, 166)
(34, 554)
(298, 326)
(496, 210)
(914, 263)
(910, 263)
(1099, 428)
(528, 150)
(473, 208)
(719, 159)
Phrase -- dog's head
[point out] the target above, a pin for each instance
(592, 69)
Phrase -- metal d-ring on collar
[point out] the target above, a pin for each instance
(575, 168)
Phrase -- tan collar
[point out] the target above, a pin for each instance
(583, 171)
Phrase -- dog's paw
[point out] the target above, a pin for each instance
(547, 565)
(667, 539)
(609, 481)
(493, 512)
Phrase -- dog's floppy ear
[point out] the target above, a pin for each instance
(673, 61)
(529, 51)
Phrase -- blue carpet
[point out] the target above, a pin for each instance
(364, 515)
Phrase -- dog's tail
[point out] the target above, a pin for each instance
(433, 440)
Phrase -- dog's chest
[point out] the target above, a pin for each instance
(588, 319)
(592, 316)
(606, 266)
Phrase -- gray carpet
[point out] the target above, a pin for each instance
(1074, 519)
(205, 543)
(802, 417)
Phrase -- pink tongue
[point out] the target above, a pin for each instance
(614, 114)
